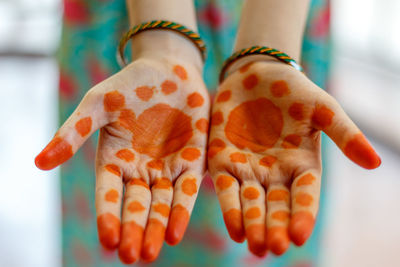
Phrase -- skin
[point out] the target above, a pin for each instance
(153, 118)
(264, 153)
(149, 143)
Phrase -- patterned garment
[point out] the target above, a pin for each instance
(91, 32)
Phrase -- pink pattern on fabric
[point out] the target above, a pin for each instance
(97, 72)
(76, 12)
(82, 206)
(321, 23)
(67, 86)
(213, 16)
(207, 237)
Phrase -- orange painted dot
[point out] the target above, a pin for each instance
(256, 125)
(126, 155)
(250, 81)
(224, 182)
(245, 67)
(189, 186)
(168, 87)
(127, 119)
(306, 180)
(140, 182)
(113, 101)
(190, 154)
(180, 72)
(217, 118)
(304, 199)
(160, 131)
(135, 206)
(291, 141)
(251, 193)
(280, 215)
(278, 195)
(238, 157)
(296, 111)
(162, 208)
(279, 89)
(144, 92)
(322, 117)
(359, 150)
(202, 125)
(215, 146)
(195, 100)
(83, 126)
(163, 183)
(112, 196)
(224, 96)
(157, 164)
(114, 169)
(267, 161)
(252, 213)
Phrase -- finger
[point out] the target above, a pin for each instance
(227, 188)
(108, 204)
(158, 218)
(278, 214)
(305, 199)
(253, 206)
(85, 120)
(185, 194)
(134, 218)
(331, 118)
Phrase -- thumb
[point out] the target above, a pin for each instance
(329, 117)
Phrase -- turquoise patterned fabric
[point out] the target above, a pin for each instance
(91, 32)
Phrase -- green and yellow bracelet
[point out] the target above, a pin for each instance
(159, 24)
(258, 50)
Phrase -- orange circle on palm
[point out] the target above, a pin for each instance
(159, 131)
(256, 125)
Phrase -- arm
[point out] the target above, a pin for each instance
(276, 24)
(160, 43)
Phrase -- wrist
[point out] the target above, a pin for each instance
(166, 44)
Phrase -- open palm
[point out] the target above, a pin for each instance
(264, 153)
(153, 117)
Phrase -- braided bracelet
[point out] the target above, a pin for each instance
(159, 24)
(258, 50)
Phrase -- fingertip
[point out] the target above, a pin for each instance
(55, 153)
(360, 151)
(108, 226)
(300, 227)
(234, 225)
(278, 240)
(154, 237)
(178, 222)
(256, 239)
(130, 246)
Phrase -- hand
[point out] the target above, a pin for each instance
(264, 153)
(153, 117)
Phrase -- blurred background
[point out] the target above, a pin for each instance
(363, 213)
